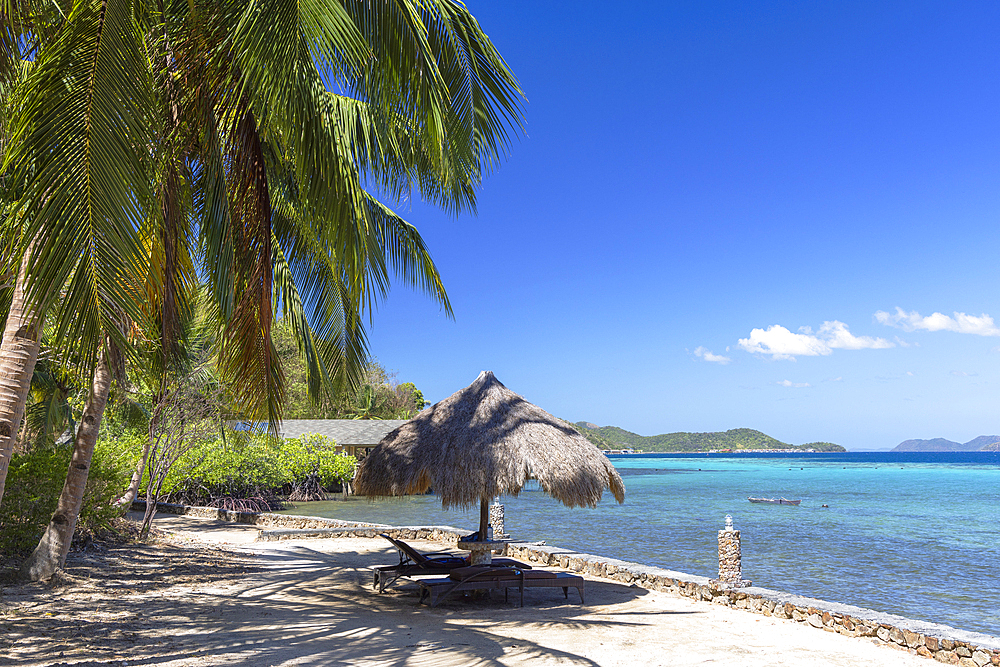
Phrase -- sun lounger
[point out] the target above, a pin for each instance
(412, 562)
(494, 578)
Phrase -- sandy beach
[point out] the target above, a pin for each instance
(207, 594)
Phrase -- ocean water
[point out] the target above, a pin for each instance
(914, 534)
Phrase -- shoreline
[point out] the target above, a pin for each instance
(207, 593)
(941, 642)
(618, 452)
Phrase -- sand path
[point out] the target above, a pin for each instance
(210, 595)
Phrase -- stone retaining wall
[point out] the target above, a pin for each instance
(445, 534)
(943, 643)
(262, 519)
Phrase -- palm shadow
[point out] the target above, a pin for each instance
(299, 604)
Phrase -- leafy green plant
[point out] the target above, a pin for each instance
(258, 468)
(35, 479)
(110, 470)
(32, 492)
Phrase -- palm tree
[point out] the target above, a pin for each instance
(76, 194)
(145, 137)
(22, 332)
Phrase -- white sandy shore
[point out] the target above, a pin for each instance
(210, 595)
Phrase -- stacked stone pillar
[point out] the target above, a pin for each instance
(496, 520)
(730, 558)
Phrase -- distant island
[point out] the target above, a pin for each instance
(737, 439)
(984, 443)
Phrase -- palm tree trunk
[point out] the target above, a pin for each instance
(52, 549)
(18, 354)
(484, 519)
(133, 487)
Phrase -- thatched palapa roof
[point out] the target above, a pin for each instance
(484, 441)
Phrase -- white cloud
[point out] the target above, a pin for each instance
(781, 343)
(982, 325)
(839, 337)
(963, 374)
(708, 356)
(789, 383)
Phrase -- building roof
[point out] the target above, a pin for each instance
(348, 432)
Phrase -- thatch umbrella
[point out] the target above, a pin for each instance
(484, 441)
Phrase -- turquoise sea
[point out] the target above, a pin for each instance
(914, 534)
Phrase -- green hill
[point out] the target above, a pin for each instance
(822, 447)
(735, 439)
(591, 435)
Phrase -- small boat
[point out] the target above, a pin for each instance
(775, 501)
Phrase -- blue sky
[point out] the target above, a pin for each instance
(774, 215)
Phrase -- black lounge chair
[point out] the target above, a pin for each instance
(494, 578)
(412, 561)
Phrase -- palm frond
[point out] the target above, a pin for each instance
(172, 261)
(434, 66)
(48, 412)
(212, 203)
(80, 140)
(408, 255)
(434, 101)
(291, 109)
(247, 355)
(266, 45)
(427, 103)
(328, 275)
(10, 51)
(129, 412)
(317, 305)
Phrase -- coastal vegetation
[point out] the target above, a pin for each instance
(614, 437)
(165, 437)
(256, 473)
(821, 447)
(233, 471)
(593, 436)
(154, 159)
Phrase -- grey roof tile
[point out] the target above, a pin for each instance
(344, 431)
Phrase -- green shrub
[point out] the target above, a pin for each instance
(110, 472)
(315, 454)
(36, 478)
(34, 481)
(254, 467)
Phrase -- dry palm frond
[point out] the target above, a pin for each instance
(484, 441)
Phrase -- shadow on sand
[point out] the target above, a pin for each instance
(158, 605)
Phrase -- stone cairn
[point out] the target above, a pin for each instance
(496, 520)
(730, 566)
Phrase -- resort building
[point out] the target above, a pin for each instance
(353, 436)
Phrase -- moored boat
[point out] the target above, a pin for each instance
(775, 501)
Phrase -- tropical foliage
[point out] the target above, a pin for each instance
(377, 395)
(33, 491)
(206, 134)
(253, 473)
(146, 148)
